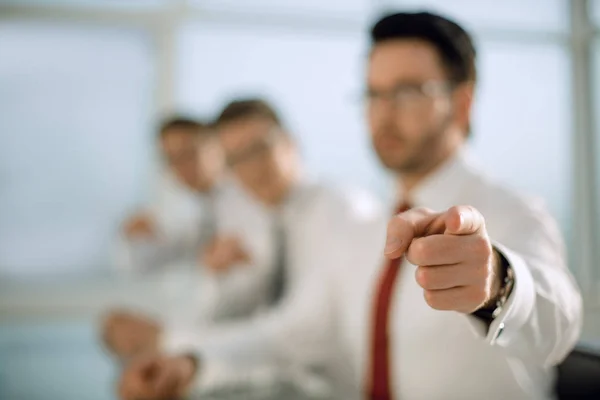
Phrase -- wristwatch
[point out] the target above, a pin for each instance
(508, 281)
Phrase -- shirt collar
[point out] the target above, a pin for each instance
(442, 188)
(299, 194)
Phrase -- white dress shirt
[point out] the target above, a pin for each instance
(314, 216)
(436, 354)
(184, 220)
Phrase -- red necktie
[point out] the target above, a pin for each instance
(378, 378)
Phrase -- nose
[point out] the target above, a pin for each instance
(383, 108)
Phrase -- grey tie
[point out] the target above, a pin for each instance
(278, 286)
(207, 224)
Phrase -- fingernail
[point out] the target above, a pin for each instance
(392, 244)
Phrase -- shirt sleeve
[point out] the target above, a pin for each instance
(542, 317)
(235, 294)
(294, 333)
(301, 332)
(143, 256)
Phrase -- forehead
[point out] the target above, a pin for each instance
(245, 131)
(177, 138)
(403, 60)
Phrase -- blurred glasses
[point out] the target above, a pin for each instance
(408, 95)
(255, 151)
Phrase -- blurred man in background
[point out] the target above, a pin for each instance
(259, 259)
(470, 302)
(179, 224)
(181, 218)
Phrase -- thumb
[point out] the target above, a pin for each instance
(165, 383)
(404, 227)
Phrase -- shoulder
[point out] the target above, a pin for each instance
(345, 202)
(231, 196)
(510, 213)
(500, 198)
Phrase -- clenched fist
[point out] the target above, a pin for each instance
(457, 267)
(157, 378)
(223, 253)
(128, 334)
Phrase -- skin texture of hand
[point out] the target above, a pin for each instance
(139, 226)
(157, 378)
(223, 253)
(457, 267)
(127, 334)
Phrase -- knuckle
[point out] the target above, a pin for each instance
(418, 252)
(481, 246)
(423, 277)
(477, 295)
(397, 222)
(423, 210)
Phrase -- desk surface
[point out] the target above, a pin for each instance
(49, 360)
(84, 298)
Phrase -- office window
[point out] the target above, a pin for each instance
(522, 127)
(314, 79)
(74, 118)
(545, 15)
(354, 9)
(89, 3)
(596, 120)
(594, 11)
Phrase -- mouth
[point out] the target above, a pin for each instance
(390, 142)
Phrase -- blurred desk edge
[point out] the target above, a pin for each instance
(29, 300)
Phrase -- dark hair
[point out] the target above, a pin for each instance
(183, 123)
(245, 108)
(454, 44)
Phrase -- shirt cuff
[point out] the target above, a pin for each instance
(517, 308)
(211, 373)
(179, 341)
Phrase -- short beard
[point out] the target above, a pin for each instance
(424, 155)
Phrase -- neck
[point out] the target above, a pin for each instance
(205, 189)
(282, 196)
(409, 180)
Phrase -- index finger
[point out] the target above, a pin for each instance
(463, 220)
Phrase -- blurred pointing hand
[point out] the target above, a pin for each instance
(457, 267)
(128, 334)
(157, 378)
(223, 253)
(139, 226)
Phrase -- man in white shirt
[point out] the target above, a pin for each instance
(181, 217)
(280, 234)
(291, 229)
(473, 298)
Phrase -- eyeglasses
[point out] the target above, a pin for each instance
(408, 94)
(256, 149)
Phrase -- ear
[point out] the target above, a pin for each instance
(463, 102)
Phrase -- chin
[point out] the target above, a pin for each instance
(398, 164)
(389, 160)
